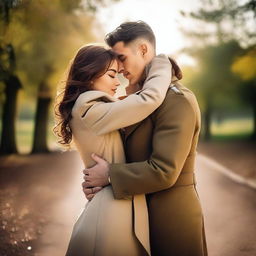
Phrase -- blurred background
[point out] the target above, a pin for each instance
(213, 41)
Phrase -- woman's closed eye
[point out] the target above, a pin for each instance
(112, 73)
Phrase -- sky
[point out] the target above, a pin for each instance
(162, 15)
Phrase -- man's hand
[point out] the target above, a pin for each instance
(90, 192)
(97, 176)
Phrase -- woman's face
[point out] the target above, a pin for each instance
(108, 82)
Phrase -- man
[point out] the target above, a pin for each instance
(160, 153)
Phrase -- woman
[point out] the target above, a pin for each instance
(90, 117)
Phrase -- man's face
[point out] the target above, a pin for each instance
(133, 63)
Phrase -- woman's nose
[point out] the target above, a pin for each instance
(117, 81)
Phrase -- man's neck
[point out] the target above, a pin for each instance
(132, 88)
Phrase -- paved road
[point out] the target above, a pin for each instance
(63, 214)
(229, 210)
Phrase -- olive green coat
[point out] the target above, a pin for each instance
(160, 152)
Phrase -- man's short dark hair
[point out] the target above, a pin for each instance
(129, 31)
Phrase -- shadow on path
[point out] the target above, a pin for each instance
(41, 197)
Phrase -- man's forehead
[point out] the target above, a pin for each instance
(120, 48)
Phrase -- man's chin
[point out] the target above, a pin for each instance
(132, 88)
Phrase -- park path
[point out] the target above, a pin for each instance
(229, 209)
(63, 213)
(229, 212)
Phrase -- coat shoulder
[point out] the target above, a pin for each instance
(178, 99)
(179, 94)
(88, 99)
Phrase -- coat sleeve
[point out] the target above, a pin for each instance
(175, 122)
(104, 117)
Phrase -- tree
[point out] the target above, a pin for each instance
(216, 35)
(48, 35)
(48, 43)
(78, 21)
(214, 80)
(245, 67)
(11, 81)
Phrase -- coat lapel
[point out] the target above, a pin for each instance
(126, 132)
(130, 129)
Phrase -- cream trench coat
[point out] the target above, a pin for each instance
(108, 226)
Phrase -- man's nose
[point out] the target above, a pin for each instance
(120, 68)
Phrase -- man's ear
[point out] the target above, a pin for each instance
(143, 49)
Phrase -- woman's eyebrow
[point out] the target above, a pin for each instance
(112, 70)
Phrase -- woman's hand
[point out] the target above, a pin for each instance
(90, 192)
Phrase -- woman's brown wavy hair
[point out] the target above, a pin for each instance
(90, 63)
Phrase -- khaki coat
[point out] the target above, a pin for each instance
(161, 152)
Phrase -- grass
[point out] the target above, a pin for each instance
(228, 130)
(232, 129)
(25, 133)
(232, 126)
(232, 137)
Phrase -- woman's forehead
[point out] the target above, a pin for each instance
(113, 66)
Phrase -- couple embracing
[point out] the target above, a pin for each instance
(138, 151)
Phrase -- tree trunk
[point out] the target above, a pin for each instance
(41, 124)
(8, 140)
(207, 123)
(254, 121)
